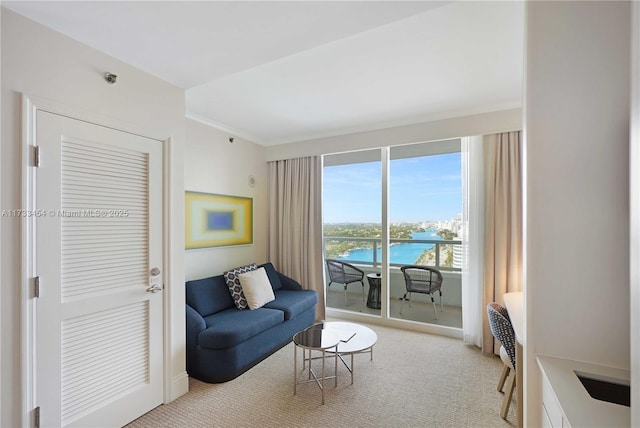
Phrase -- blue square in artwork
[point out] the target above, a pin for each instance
(220, 220)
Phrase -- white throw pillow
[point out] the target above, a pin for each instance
(256, 288)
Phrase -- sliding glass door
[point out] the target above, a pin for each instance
(417, 221)
(425, 220)
(352, 228)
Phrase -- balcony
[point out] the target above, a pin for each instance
(445, 255)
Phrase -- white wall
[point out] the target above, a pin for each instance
(577, 202)
(214, 165)
(44, 64)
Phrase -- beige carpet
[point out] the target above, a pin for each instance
(414, 380)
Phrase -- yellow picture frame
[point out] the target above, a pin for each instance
(213, 220)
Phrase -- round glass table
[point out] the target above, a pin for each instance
(321, 340)
(336, 338)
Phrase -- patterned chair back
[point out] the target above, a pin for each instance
(502, 329)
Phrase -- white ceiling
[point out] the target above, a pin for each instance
(275, 72)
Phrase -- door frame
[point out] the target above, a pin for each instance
(173, 387)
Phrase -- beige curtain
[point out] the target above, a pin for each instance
(503, 222)
(295, 222)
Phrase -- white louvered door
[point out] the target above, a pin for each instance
(98, 239)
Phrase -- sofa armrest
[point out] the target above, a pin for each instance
(195, 325)
(288, 283)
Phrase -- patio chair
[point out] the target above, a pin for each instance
(422, 279)
(344, 273)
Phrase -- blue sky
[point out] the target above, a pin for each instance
(421, 188)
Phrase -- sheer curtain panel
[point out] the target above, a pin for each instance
(472, 240)
(295, 222)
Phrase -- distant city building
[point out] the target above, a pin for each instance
(454, 224)
(457, 256)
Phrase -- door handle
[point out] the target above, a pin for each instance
(154, 288)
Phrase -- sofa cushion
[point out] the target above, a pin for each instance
(232, 326)
(208, 295)
(274, 276)
(235, 288)
(256, 288)
(293, 303)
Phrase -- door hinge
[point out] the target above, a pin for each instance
(36, 417)
(36, 156)
(36, 286)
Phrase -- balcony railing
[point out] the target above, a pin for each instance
(361, 251)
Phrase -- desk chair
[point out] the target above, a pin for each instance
(502, 330)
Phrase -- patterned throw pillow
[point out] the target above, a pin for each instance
(235, 288)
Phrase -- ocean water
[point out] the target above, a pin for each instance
(404, 253)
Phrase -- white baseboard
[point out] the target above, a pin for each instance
(179, 386)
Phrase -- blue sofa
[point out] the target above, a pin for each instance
(223, 342)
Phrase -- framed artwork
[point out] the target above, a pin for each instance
(217, 220)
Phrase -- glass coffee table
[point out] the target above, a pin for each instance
(336, 338)
(310, 340)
